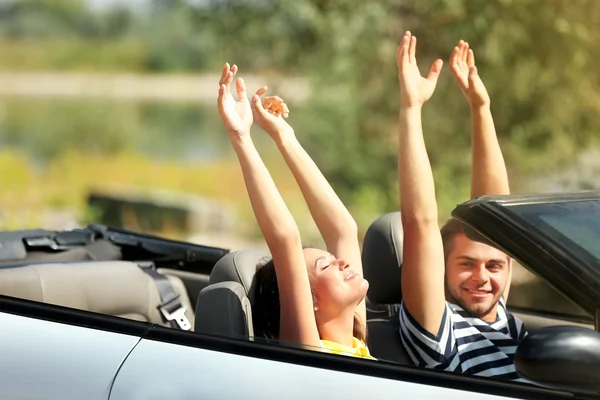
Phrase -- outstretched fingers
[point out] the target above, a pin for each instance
(462, 59)
(223, 87)
(412, 49)
(221, 99)
(240, 87)
(454, 58)
(470, 59)
(229, 77)
(402, 57)
(226, 70)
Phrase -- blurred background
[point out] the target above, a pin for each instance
(108, 114)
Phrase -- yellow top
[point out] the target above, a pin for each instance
(358, 349)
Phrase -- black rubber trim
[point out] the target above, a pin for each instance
(379, 369)
(72, 316)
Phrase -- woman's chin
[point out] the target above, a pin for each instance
(361, 290)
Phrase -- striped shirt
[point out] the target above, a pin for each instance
(465, 344)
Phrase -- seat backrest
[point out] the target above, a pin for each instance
(385, 342)
(239, 266)
(224, 306)
(382, 259)
(223, 309)
(382, 263)
(118, 288)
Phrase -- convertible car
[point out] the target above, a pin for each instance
(104, 313)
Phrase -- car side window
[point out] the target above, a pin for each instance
(530, 292)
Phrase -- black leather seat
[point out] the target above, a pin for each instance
(224, 306)
(382, 262)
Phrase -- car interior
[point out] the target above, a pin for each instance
(102, 277)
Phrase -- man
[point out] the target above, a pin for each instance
(453, 315)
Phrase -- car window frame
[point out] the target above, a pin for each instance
(567, 310)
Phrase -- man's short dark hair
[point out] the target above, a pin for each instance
(449, 231)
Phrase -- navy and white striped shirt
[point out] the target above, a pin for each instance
(465, 344)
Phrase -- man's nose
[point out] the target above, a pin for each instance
(480, 274)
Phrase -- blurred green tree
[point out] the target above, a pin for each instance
(536, 57)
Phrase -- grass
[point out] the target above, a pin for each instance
(65, 182)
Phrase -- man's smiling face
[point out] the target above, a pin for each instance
(476, 276)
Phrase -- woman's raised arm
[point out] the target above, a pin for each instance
(276, 223)
(336, 225)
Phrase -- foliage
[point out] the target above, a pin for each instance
(536, 57)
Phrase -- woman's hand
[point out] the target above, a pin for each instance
(236, 115)
(270, 114)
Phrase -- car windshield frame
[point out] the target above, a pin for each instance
(509, 223)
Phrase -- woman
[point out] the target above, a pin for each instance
(303, 295)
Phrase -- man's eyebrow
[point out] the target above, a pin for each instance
(468, 258)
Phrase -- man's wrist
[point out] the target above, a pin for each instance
(479, 107)
(411, 109)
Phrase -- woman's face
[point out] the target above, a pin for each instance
(335, 285)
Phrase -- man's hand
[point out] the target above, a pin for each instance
(270, 114)
(462, 65)
(415, 89)
(236, 115)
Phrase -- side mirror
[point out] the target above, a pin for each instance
(561, 357)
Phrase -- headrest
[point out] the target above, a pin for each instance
(238, 266)
(223, 309)
(382, 259)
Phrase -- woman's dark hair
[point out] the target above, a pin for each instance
(266, 309)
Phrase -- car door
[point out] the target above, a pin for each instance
(47, 353)
(186, 365)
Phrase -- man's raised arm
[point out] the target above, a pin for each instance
(488, 169)
(423, 259)
(489, 174)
